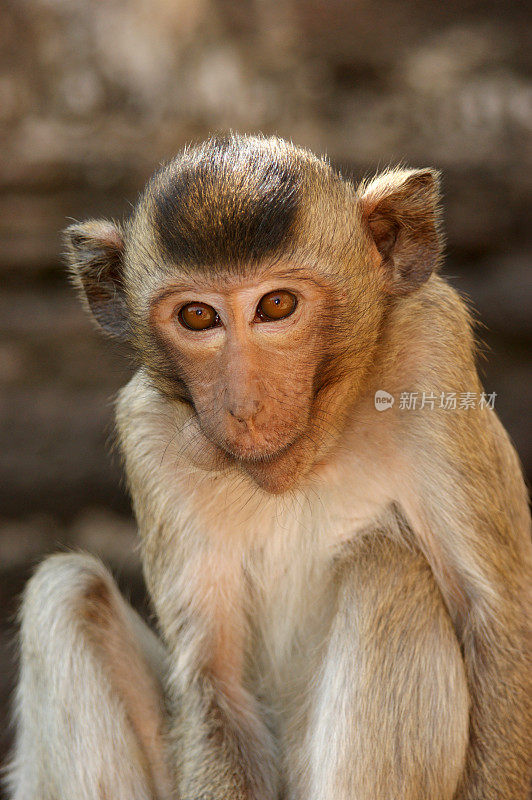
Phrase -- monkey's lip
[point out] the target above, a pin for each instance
(249, 454)
(257, 455)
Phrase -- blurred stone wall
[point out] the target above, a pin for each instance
(93, 95)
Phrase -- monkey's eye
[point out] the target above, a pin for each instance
(276, 305)
(198, 317)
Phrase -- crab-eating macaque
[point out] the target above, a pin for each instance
(341, 587)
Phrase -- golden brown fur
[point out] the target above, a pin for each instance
(343, 595)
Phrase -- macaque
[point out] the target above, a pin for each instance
(341, 590)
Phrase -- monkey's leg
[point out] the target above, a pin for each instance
(89, 701)
(390, 713)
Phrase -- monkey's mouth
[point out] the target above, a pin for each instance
(256, 454)
(264, 446)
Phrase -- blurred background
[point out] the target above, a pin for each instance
(95, 93)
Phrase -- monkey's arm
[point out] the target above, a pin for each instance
(390, 708)
(472, 519)
(221, 747)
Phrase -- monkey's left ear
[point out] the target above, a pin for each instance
(400, 208)
(94, 252)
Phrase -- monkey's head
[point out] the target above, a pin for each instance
(253, 282)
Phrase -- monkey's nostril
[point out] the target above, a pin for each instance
(245, 412)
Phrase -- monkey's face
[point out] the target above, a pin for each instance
(253, 282)
(249, 353)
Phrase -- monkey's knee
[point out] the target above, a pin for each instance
(67, 591)
(89, 707)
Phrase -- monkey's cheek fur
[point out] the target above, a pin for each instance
(198, 449)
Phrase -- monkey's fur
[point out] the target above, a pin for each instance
(342, 595)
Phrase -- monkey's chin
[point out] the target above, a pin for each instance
(283, 471)
(275, 470)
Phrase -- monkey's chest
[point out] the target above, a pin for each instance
(290, 612)
(291, 591)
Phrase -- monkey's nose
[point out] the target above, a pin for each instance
(245, 412)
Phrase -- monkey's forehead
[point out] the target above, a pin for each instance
(231, 200)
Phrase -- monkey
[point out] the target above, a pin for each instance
(341, 592)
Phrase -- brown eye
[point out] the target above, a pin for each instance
(276, 305)
(198, 316)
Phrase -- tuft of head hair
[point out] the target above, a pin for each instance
(230, 201)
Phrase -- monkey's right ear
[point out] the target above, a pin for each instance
(94, 252)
